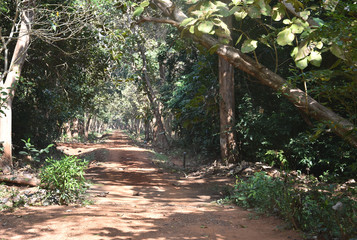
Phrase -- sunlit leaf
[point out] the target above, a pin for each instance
(302, 63)
(278, 12)
(205, 26)
(240, 15)
(240, 38)
(337, 51)
(144, 4)
(285, 37)
(304, 15)
(249, 45)
(187, 21)
(315, 58)
(138, 11)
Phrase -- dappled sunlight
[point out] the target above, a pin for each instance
(133, 200)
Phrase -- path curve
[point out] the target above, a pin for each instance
(135, 200)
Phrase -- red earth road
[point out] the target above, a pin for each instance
(135, 200)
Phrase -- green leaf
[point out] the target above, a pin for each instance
(249, 45)
(301, 63)
(287, 21)
(240, 15)
(254, 12)
(278, 12)
(236, 2)
(319, 45)
(265, 9)
(298, 26)
(285, 37)
(213, 49)
(240, 38)
(205, 26)
(192, 29)
(319, 21)
(337, 51)
(304, 15)
(187, 21)
(144, 4)
(315, 58)
(138, 11)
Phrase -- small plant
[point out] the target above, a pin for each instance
(64, 179)
(30, 150)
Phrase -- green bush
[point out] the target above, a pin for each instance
(314, 210)
(64, 179)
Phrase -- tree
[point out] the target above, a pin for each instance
(237, 58)
(227, 108)
(13, 74)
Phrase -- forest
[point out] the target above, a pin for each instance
(233, 81)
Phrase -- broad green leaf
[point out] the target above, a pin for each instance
(254, 12)
(138, 11)
(287, 21)
(298, 26)
(248, 1)
(315, 58)
(205, 26)
(249, 45)
(337, 51)
(302, 51)
(240, 15)
(301, 63)
(304, 15)
(285, 37)
(187, 21)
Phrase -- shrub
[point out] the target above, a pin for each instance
(64, 179)
(313, 209)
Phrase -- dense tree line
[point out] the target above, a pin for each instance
(294, 81)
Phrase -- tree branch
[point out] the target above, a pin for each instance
(159, 20)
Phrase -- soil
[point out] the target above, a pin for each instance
(134, 199)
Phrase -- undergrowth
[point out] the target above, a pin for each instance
(64, 179)
(318, 210)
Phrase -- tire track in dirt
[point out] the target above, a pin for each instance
(133, 200)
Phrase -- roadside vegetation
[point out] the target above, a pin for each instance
(226, 82)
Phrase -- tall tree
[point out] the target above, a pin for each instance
(161, 133)
(12, 77)
(228, 143)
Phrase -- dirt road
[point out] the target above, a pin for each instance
(135, 200)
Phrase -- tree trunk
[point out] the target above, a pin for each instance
(227, 134)
(13, 76)
(87, 120)
(161, 135)
(340, 126)
(226, 111)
